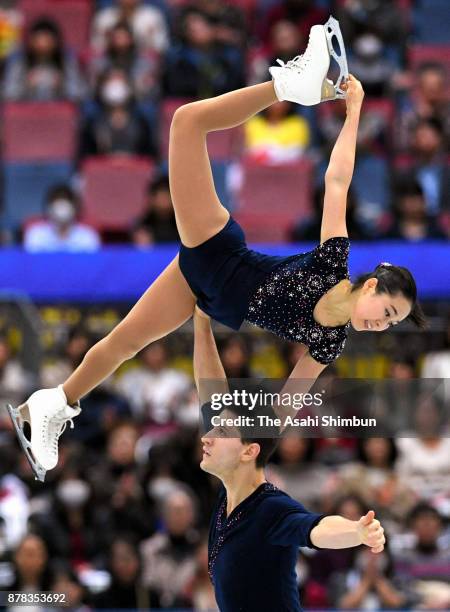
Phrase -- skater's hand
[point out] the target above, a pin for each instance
(371, 532)
(354, 94)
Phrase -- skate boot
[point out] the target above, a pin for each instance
(304, 78)
(48, 413)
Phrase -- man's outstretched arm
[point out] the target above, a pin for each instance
(207, 363)
(339, 532)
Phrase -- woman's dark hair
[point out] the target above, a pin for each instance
(121, 25)
(394, 280)
(361, 453)
(50, 27)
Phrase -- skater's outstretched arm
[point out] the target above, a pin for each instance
(340, 169)
(207, 364)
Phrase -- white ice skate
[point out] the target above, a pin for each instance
(48, 413)
(304, 78)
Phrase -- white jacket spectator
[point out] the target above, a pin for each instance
(60, 231)
(147, 22)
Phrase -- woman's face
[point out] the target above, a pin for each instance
(43, 43)
(377, 312)
(377, 451)
(121, 40)
(31, 556)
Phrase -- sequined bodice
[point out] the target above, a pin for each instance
(285, 301)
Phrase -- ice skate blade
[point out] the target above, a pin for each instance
(332, 29)
(16, 418)
(328, 91)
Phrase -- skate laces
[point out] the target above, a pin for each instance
(57, 427)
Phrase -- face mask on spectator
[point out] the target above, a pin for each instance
(368, 46)
(61, 212)
(73, 493)
(115, 92)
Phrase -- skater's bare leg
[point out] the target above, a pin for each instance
(198, 210)
(164, 307)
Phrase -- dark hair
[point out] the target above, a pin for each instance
(49, 26)
(159, 183)
(408, 187)
(433, 122)
(361, 453)
(267, 445)
(61, 191)
(422, 509)
(394, 280)
(431, 66)
(120, 25)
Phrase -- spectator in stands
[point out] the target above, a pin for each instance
(284, 44)
(153, 387)
(382, 17)
(371, 582)
(375, 480)
(200, 593)
(43, 70)
(118, 127)
(309, 229)
(122, 53)
(199, 66)
(67, 582)
(424, 564)
(147, 23)
(235, 357)
(15, 380)
(31, 566)
(411, 221)
(427, 100)
(423, 459)
(296, 471)
(437, 363)
(277, 135)
(369, 66)
(229, 20)
(157, 224)
(61, 230)
(11, 22)
(126, 590)
(14, 503)
(169, 563)
(430, 163)
(53, 373)
(302, 13)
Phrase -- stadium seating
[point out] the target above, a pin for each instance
(26, 186)
(222, 145)
(72, 16)
(39, 131)
(272, 198)
(113, 190)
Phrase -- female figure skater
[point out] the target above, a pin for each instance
(306, 298)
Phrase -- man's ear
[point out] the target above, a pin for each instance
(251, 451)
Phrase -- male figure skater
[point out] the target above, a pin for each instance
(256, 529)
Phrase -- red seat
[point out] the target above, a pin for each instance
(114, 190)
(222, 145)
(72, 16)
(272, 198)
(39, 131)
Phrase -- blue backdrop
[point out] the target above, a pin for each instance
(121, 274)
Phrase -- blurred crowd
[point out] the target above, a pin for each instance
(144, 57)
(122, 521)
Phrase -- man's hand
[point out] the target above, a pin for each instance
(371, 532)
(354, 94)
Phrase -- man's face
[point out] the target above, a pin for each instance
(223, 450)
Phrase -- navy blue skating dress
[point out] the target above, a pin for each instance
(234, 284)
